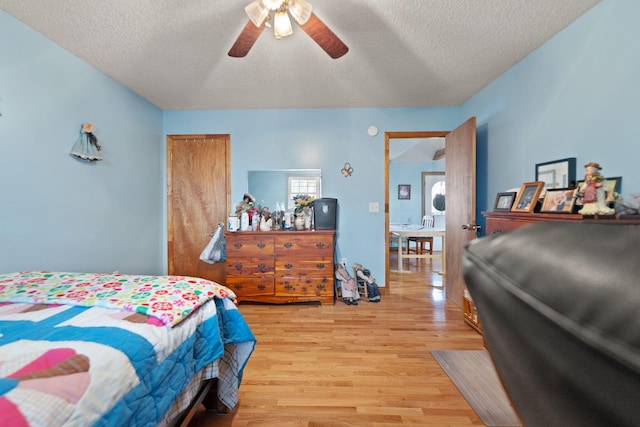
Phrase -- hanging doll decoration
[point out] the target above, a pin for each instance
(372, 287)
(86, 147)
(350, 294)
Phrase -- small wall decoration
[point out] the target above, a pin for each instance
(504, 201)
(557, 173)
(528, 197)
(404, 192)
(86, 146)
(559, 201)
(347, 170)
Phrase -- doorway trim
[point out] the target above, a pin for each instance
(387, 139)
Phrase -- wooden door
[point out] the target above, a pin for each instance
(461, 202)
(198, 198)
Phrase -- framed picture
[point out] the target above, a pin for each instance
(404, 192)
(504, 201)
(611, 185)
(557, 173)
(558, 201)
(527, 197)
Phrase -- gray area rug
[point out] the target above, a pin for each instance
(472, 371)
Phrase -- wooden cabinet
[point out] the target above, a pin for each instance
(499, 222)
(281, 266)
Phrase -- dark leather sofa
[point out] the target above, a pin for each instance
(560, 310)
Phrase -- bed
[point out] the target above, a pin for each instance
(110, 349)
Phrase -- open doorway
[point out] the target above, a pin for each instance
(414, 162)
(460, 227)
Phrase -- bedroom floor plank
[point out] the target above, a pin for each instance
(365, 365)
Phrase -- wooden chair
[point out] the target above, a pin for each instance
(419, 242)
(362, 285)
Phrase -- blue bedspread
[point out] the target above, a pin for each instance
(70, 365)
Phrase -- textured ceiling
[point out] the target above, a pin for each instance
(402, 53)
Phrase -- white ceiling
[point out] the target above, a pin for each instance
(402, 53)
(418, 150)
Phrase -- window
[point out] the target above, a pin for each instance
(438, 192)
(302, 185)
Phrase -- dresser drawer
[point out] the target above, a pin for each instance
(253, 245)
(310, 245)
(244, 286)
(305, 286)
(249, 266)
(292, 266)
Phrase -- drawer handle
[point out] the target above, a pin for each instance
(288, 287)
(319, 245)
(288, 266)
(320, 265)
(320, 287)
(288, 245)
(262, 267)
(262, 287)
(238, 286)
(261, 245)
(238, 266)
(237, 245)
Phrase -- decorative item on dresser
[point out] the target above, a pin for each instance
(281, 266)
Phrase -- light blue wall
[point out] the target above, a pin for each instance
(320, 139)
(408, 211)
(576, 96)
(57, 213)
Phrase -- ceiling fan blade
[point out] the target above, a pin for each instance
(245, 40)
(322, 35)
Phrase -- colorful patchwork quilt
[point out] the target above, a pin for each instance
(76, 352)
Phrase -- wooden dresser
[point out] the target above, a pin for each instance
(281, 266)
(499, 222)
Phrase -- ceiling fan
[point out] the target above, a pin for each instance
(260, 13)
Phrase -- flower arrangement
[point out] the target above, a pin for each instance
(303, 203)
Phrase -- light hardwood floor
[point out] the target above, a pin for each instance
(365, 365)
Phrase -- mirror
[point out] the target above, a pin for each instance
(269, 187)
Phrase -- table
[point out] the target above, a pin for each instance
(413, 230)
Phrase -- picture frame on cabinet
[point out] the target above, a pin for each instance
(557, 173)
(528, 196)
(504, 201)
(559, 200)
(404, 192)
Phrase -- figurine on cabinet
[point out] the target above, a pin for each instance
(246, 205)
(593, 194)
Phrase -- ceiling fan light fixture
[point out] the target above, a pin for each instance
(260, 13)
(257, 12)
(272, 4)
(282, 24)
(300, 10)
